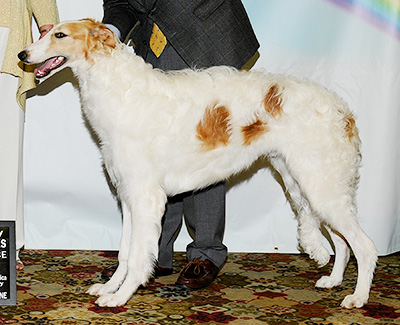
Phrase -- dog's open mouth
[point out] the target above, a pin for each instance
(49, 65)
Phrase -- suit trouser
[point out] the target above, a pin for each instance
(204, 210)
(205, 218)
(11, 141)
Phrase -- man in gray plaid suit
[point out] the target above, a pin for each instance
(173, 35)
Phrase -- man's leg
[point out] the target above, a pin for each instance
(171, 224)
(11, 146)
(205, 216)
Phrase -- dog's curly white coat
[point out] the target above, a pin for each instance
(166, 133)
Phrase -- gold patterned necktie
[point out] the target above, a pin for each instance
(157, 41)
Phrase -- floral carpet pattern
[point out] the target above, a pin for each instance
(250, 289)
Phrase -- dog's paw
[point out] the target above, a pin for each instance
(96, 289)
(322, 257)
(318, 253)
(354, 301)
(101, 289)
(328, 282)
(111, 300)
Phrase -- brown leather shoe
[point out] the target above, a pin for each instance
(198, 274)
(162, 271)
(108, 272)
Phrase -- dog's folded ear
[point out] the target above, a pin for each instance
(103, 35)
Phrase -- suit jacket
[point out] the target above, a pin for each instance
(203, 32)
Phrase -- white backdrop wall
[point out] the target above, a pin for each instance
(351, 47)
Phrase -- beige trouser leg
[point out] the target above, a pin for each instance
(11, 168)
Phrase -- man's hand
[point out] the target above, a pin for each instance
(44, 30)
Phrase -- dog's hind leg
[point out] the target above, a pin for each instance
(310, 236)
(342, 255)
(366, 255)
(147, 212)
(118, 277)
(331, 192)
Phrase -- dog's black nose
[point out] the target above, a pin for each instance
(22, 56)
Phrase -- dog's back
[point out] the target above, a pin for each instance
(218, 119)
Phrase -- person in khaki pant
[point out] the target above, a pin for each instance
(173, 35)
(15, 81)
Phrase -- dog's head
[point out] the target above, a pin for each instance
(66, 43)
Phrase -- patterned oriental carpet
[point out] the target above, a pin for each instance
(250, 289)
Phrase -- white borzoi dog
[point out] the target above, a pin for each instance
(167, 133)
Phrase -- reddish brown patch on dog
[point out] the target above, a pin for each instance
(213, 130)
(100, 38)
(253, 131)
(350, 127)
(273, 102)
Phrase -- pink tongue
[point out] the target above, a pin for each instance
(45, 67)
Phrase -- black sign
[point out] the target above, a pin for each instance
(8, 271)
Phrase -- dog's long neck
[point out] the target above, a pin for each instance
(106, 81)
(110, 68)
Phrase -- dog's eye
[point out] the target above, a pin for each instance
(60, 35)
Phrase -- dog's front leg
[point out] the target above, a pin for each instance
(118, 277)
(146, 212)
